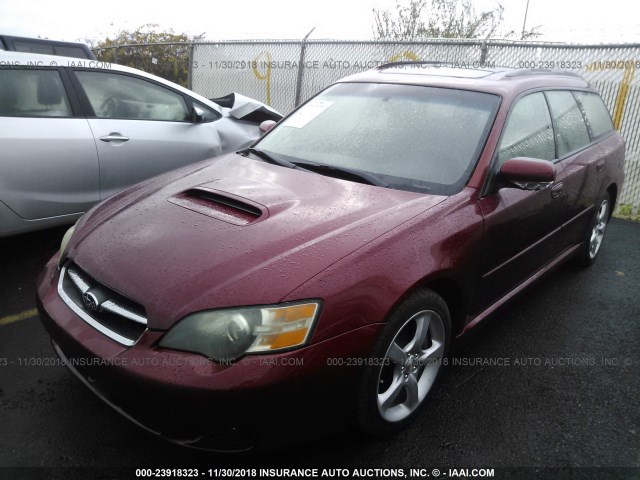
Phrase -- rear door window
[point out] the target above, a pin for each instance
(33, 93)
(570, 127)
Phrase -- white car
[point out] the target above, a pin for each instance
(74, 132)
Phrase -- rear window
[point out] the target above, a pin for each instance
(596, 113)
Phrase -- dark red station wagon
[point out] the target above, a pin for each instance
(319, 277)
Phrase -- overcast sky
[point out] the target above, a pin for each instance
(584, 21)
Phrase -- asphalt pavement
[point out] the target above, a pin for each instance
(549, 384)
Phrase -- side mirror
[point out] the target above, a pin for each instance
(197, 115)
(528, 173)
(266, 126)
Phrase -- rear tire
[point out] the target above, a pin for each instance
(406, 364)
(588, 253)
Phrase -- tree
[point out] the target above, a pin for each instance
(413, 19)
(170, 61)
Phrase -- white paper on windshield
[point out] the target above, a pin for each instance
(310, 111)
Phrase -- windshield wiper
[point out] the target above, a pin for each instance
(344, 172)
(340, 172)
(269, 158)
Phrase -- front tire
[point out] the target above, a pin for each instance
(408, 360)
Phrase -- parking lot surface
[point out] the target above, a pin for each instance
(551, 380)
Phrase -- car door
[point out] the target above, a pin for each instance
(48, 157)
(520, 226)
(142, 128)
(581, 161)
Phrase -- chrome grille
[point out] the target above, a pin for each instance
(116, 316)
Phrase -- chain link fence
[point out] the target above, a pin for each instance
(285, 73)
(171, 61)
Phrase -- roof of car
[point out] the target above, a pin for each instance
(498, 80)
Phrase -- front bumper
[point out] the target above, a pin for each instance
(193, 401)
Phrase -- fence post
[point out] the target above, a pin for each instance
(303, 47)
(484, 48)
(190, 67)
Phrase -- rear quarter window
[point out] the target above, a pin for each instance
(596, 113)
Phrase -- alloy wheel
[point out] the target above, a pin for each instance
(597, 233)
(410, 365)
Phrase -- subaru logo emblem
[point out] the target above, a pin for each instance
(90, 301)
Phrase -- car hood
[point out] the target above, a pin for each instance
(230, 232)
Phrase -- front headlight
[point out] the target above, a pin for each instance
(65, 241)
(225, 335)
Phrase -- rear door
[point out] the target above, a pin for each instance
(582, 161)
(48, 159)
(142, 128)
(521, 226)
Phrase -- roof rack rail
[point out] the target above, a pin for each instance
(521, 72)
(413, 62)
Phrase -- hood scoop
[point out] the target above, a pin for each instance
(220, 205)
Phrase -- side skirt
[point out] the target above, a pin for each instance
(533, 278)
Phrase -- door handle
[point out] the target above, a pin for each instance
(556, 190)
(599, 165)
(114, 137)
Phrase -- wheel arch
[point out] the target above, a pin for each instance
(452, 292)
(612, 190)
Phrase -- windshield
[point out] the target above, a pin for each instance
(415, 138)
